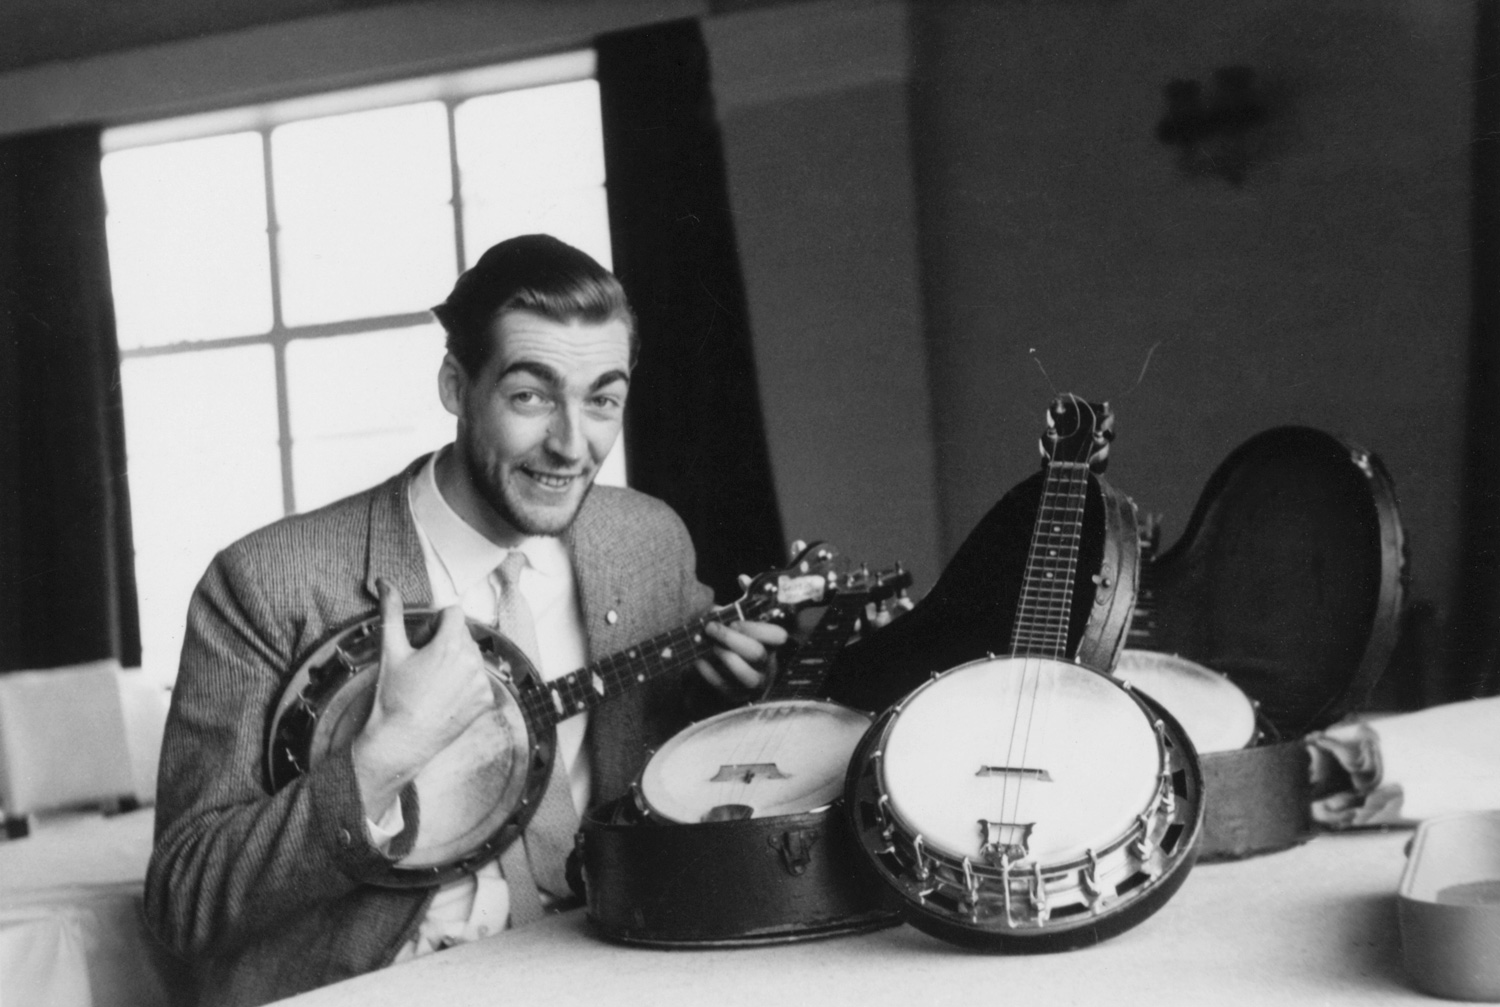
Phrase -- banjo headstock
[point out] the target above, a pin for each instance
(777, 594)
(1078, 432)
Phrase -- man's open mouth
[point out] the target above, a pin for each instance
(551, 480)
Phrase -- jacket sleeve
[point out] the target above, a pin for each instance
(230, 858)
(698, 699)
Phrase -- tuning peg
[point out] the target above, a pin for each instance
(796, 549)
(744, 580)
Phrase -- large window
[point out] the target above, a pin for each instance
(272, 271)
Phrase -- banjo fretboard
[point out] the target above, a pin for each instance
(1046, 605)
(545, 704)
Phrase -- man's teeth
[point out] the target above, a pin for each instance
(555, 482)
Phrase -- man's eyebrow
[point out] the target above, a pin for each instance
(608, 378)
(536, 369)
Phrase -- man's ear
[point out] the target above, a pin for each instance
(453, 382)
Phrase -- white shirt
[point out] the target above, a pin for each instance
(460, 561)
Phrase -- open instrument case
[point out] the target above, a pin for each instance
(1289, 580)
(655, 876)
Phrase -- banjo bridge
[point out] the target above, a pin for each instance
(1004, 842)
(1023, 772)
(748, 773)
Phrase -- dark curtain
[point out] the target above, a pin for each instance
(67, 583)
(1473, 658)
(694, 434)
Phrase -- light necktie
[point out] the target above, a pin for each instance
(538, 863)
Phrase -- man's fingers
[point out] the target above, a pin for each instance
(732, 641)
(737, 666)
(711, 675)
(752, 641)
(394, 645)
(453, 626)
(768, 634)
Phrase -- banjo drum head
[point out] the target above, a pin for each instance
(1064, 752)
(467, 792)
(782, 757)
(1217, 716)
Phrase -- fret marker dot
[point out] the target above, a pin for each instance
(697, 637)
(611, 617)
(640, 678)
(1056, 528)
(666, 652)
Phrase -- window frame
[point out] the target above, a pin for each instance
(451, 89)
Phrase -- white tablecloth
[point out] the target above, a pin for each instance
(70, 916)
(1312, 925)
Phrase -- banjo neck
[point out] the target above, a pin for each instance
(806, 673)
(772, 595)
(1046, 603)
(1075, 442)
(548, 703)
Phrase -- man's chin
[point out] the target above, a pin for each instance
(537, 518)
(548, 523)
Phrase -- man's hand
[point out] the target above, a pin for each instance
(424, 699)
(743, 652)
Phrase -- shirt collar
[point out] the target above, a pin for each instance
(466, 554)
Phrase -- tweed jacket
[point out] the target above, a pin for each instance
(264, 894)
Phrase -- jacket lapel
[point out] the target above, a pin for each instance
(616, 727)
(395, 552)
(601, 585)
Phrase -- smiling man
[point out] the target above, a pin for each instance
(269, 894)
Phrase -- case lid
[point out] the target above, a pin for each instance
(1289, 579)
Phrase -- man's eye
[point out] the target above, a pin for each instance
(526, 397)
(608, 402)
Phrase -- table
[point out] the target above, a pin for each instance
(71, 933)
(1311, 925)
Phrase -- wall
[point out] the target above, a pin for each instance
(1329, 288)
(814, 111)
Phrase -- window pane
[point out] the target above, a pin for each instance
(188, 252)
(537, 138)
(612, 472)
(533, 161)
(362, 202)
(204, 469)
(362, 406)
(578, 216)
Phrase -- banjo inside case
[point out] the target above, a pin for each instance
(1289, 580)
(655, 876)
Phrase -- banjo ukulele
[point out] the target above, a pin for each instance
(476, 796)
(1027, 802)
(785, 754)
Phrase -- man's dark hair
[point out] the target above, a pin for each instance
(536, 273)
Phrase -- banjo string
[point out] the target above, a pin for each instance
(763, 744)
(1056, 616)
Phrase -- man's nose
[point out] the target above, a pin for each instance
(565, 433)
